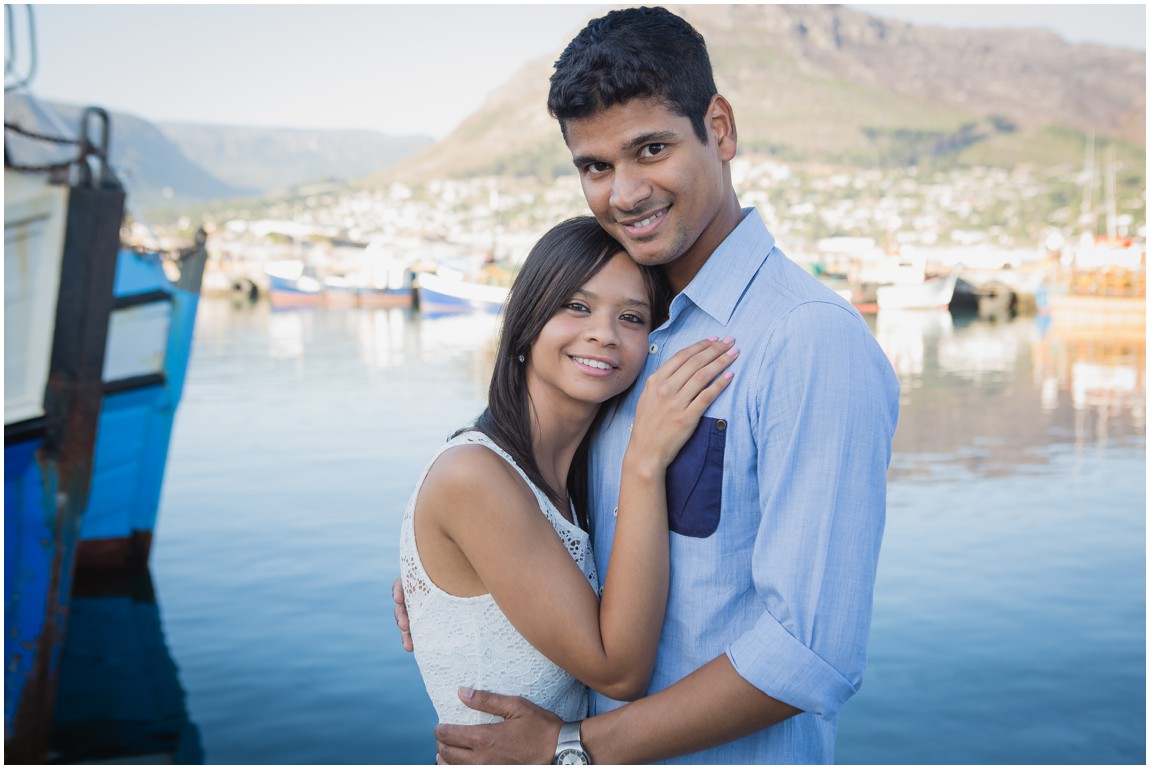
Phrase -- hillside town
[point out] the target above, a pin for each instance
(840, 222)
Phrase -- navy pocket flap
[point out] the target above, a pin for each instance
(695, 481)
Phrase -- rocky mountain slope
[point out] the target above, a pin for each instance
(826, 84)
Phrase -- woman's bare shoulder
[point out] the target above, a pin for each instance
(471, 474)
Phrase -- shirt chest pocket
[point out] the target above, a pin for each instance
(695, 481)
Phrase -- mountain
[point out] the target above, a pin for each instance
(827, 84)
(155, 171)
(275, 158)
(169, 165)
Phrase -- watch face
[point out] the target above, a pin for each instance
(571, 756)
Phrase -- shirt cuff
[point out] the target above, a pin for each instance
(778, 664)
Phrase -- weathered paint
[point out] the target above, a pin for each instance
(136, 421)
(48, 527)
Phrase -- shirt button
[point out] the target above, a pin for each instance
(615, 512)
(721, 424)
(654, 348)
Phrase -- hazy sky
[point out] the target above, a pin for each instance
(400, 69)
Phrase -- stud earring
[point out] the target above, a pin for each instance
(522, 358)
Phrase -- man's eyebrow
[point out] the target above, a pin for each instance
(653, 137)
(583, 160)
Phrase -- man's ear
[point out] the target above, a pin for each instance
(721, 123)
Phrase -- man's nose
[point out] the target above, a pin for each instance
(629, 189)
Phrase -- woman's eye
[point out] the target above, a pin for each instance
(576, 306)
(631, 317)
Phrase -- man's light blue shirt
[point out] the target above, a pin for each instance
(777, 503)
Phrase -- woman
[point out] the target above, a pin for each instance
(501, 590)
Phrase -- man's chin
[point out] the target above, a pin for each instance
(648, 258)
(649, 254)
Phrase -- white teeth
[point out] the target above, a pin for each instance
(646, 221)
(592, 363)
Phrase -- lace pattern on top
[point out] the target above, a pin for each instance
(468, 641)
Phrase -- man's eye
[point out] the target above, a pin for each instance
(651, 150)
(595, 168)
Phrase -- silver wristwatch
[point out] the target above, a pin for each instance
(570, 748)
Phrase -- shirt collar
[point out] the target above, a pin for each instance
(727, 272)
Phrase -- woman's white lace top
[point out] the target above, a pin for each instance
(469, 641)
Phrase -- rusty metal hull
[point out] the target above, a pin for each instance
(152, 330)
(47, 485)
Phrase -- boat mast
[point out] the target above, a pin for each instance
(1111, 194)
(1088, 219)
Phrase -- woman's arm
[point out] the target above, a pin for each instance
(477, 504)
(634, 595)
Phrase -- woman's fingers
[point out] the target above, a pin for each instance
(675, 397)
(691, 370)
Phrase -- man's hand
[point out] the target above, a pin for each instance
(527, 735)
(401, 615)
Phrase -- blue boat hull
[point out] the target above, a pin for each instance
(440, 295)
(47, 473)
(136, 421)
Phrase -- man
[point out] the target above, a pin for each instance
(777, 503)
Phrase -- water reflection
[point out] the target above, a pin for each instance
(1015, 510)
(993, 397)
(905, 335)
(119, 698)
(1100, 369)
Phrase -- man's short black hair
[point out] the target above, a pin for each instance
(634, 53)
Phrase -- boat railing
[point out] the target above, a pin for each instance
(17, 75)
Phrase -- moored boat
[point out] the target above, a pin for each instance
(289, 286)
(62, 213)
(339, 291)
(440, 293)
(384, 279)
(149, 348)
(929, 294)
(83, 334)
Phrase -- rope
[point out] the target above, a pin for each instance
(46, 167)
(39, 137)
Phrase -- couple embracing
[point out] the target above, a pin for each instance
(659, 541)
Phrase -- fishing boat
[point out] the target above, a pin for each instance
(339, 291)
(442, 293)
(149, 347)
(289, 286)
(88, 341)
(62, 213)
(384, 279)
(903, 283)
(931, 293)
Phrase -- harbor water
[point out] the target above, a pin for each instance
(1009, 622)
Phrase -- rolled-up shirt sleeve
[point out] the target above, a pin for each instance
(824, 418)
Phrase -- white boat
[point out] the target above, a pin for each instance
(289, 286)
(439, 293)
(384, 278)
(928, 294)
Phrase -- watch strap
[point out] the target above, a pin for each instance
(569, 732)
(570, 744)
